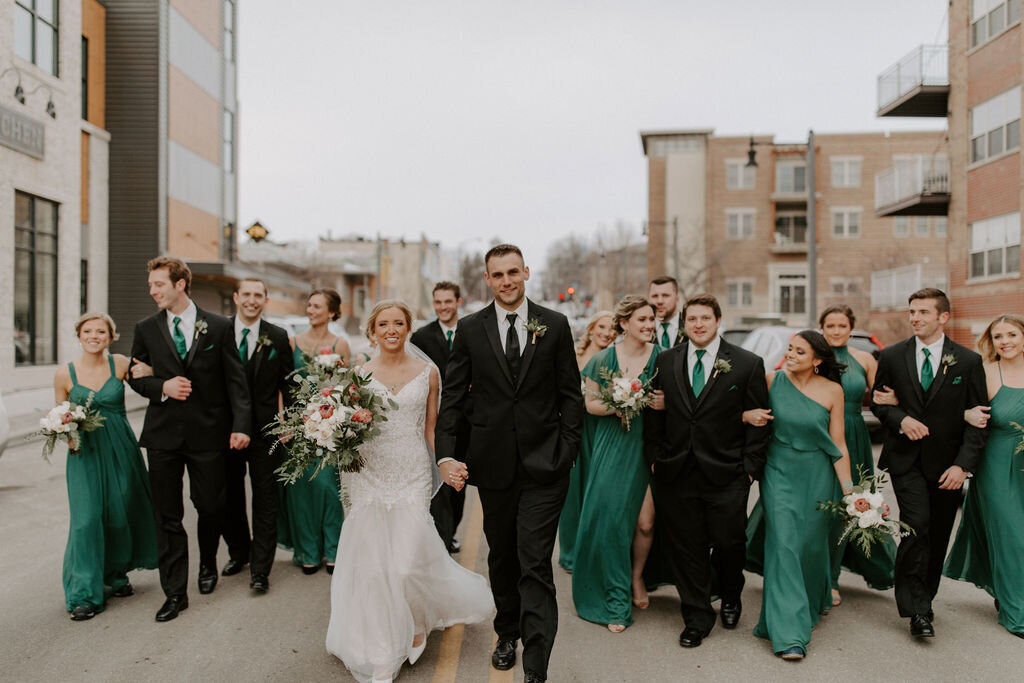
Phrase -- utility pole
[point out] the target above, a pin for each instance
(812, 243)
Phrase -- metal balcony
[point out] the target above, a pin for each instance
(917, 85)
(917, 187)
(784, 244)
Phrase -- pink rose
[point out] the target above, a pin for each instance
(635, 386)
(362, 415)
(66, 418)
(861, 505)
(885, 510)
(353, 393)
(326, 410)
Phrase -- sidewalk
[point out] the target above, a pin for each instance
(26, 407)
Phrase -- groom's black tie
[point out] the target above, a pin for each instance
(512, 346)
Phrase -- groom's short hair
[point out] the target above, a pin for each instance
(176, 270)
(502, 250)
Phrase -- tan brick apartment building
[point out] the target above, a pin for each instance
(742, 232)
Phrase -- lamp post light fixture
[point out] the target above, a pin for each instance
(51, 109)
(812, 241)
(256, 232)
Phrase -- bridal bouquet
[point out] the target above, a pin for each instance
(65, 421)
(332, 415)
(324, 365)
(865, 515)
(627, 397)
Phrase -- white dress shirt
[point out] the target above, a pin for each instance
(520, 324)
(935, 348)
(187, 324)
(673, 330)
(254, 333)
(445, 330)
(708, 361)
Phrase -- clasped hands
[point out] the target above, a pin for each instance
(454, 473)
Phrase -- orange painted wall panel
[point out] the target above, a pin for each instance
(204, 15)
(193, 117)
(192, 233)
(94, 29)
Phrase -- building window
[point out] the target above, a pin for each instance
(901, 226)
(739, 176)
(989, 18)
(229, 142)
(845, 286)
(940, 226)
(846, 222)
(83, 286)
(35, 33)
(740, 292)
(35, 280)
(229, 30)
(739, 223)
(921, 228)
(791, 228)
(995, 125)
(791, 177)
(85, 78)
(792, 293)
(846, 171)
(995, 246)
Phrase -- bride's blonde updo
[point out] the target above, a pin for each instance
(382, 306)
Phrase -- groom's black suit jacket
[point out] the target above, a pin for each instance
(267, 373)
(219, 404)
(536, 421)
(956, 387)
(707, 429)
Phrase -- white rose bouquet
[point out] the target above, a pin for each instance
(627, 397)
(66, 422)
(865, 515)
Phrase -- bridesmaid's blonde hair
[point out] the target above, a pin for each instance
(986, 346)
(383, 306)
(587, 339)
(96, 315)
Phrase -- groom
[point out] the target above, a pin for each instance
(514, 361)
(198, 407)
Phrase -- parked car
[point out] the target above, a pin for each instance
(735, 335)
(5, 425)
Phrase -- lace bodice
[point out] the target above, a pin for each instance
(398, 463)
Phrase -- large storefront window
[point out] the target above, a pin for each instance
(35, 280)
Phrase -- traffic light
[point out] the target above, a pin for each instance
(571, 290)
(561, 296)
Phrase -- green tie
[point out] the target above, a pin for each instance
(927, 374)
(665, 341)
(450, 340)
(179, 338)
(243, 348)
(698, 373)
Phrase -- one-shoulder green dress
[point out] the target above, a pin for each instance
(798, 474)
(989, 546)
(311, 514)
(616, 482)
(879, 569)
(112, 528)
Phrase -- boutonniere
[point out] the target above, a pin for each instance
(264, 340)
(948, 361)
(721, 366)
(201, 328)
(533, 325)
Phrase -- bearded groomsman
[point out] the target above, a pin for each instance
(263, 350)
(198, 407)
(663, 292)
(436, 340)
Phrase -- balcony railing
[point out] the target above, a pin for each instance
(784, 244)
(915, 187)
(925, 71)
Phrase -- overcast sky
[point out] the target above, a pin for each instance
(520, 119)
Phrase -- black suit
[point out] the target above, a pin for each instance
(447, 505)
(702, 455)
(916, 466)
(266, 373)
(524, 435)
(193, 433)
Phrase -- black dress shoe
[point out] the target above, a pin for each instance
(921, 626)
(171, 607)
(533, 678)
(731, 612)
(260, 583)
(83, 612)
(504, 656)
(691, 637)
(207, 579)
(233, 567)
(124, 591)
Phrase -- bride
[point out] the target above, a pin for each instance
(394, 581)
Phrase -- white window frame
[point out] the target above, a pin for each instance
(984, 16)
(841, 228)
(994, 238)
(743, 289)
(846, 170)
(995, 118)
(901, 227)
(849, 286)
(922, 227)
(790, 275)
(781, 167)
(745, 223)
(940, 225)
(745, 176)
(781, 238)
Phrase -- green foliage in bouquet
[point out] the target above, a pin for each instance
(67, 422)
(627, 397)
(864, 513)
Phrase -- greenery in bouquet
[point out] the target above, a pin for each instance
(332, 414)
(865, 516)
(627, 397)
(324, 366)
(66, 422)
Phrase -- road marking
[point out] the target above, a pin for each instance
(451, 642)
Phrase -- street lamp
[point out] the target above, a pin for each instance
(256, 232)
(812, 242)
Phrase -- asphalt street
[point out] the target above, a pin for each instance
(232, 635)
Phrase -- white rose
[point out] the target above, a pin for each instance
(869, 519)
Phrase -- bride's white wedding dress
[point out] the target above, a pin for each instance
(394, 578)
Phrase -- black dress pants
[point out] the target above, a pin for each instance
(260, 549)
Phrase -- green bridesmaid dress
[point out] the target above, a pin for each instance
(989, 546)
(616, 482)
(798, 474)
(879, 569)
(112, 529)
(311, 513)
(569, 521)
